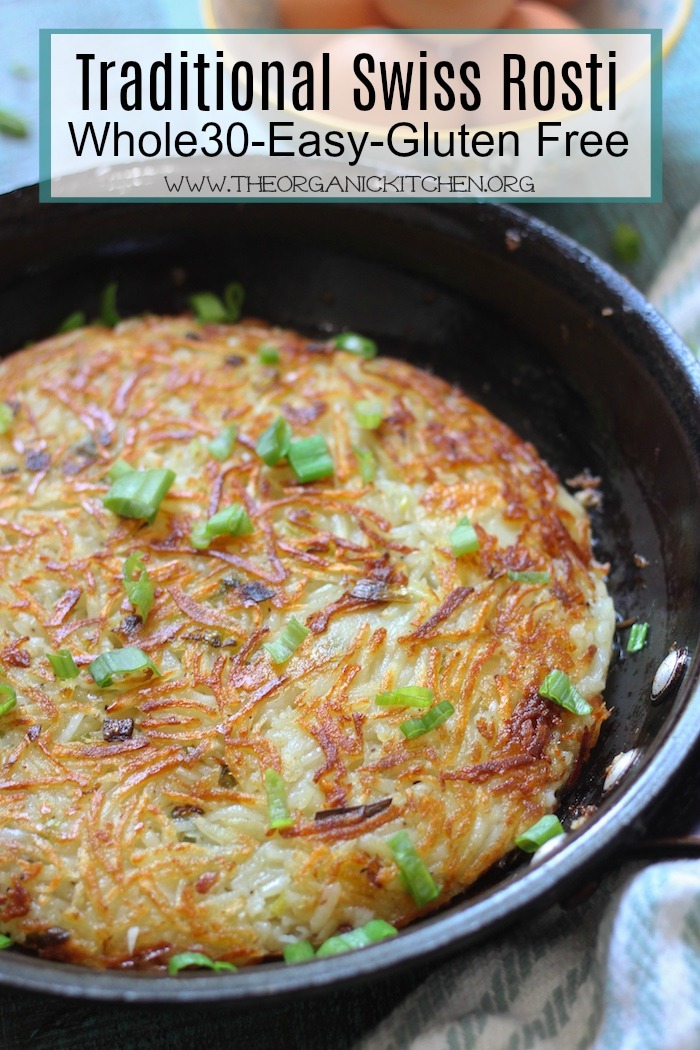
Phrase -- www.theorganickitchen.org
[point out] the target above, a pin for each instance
(371, 185)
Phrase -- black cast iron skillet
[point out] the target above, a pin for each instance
(551, 340)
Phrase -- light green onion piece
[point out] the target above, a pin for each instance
(288, 642)
(210, 309)
(558, 687)
(139, 590)
(63, 664)
(139, 493)
(269, 355)
(7, 417)
(11, 124)
(231, 521)
(545, 829)
(627, 242)
(463, 538)
(431, 720)
(371, 933)
(273, 443)
(73, 321)
(638, 637)
(369, 414)
(5, 941)
(528, 577)
(277, 808)
(120, 661)
(310, 459)
(197, 959)
(118, 469)
(368, 464)
(300, 951)
(356, 344)
(8, 698)
(109, 315)
(221, 446)
(417, 879)
(406, 696)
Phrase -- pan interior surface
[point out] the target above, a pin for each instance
(547, 338)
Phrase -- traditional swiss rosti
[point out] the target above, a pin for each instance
(275, 621)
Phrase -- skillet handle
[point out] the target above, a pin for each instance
(673, 831)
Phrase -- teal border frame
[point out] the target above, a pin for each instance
(45, 196)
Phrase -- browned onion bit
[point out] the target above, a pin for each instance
(358, 812)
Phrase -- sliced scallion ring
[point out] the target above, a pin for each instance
(416, 877)
(139, 493)
(288, 642)
(433, 718)
(8, 698)
(187, 960)
(221, 446)
(559, 688)
(268, 355)
(528, 577)
(368, 464)
(273, 443)
(120, 662)
(310, 459)
(109, 315)
(369, 414)
(13, 125)
(7, 417)
(406, 696)
(300, 951)
(638, 637)
(75, 320)
(463, 538)
(64, 666)
(277, 808)
(353, 343)
(138, 587)
(210, 309)
(231, 521)
(5, 941)
(118, 469)
(545, 829)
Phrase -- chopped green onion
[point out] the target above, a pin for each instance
(6, 417)
(277, 808)
(369, 414)
(529, 577)
(627, 242)
(417, 879)
(109, 315)
(638, 637)
(73, 321)
(300, 951)
(118, 469)
(210, 309)
(406, 696)
(139, 493)
(288, 642)
(5, 941)
(269, 355)
(378, 930)
(310, 458)
(221, 446)
(234, 297)
(139, 591)
(374, 931)
(231, 521)
(11, 124)
(120, 661)
(203, 962)
(21, 71)
(431, 720)
(356, 344)
(545, 829)
(273, 443)
(463, 538)
(8, 698)
(63, 664)
(368, 464)
(558, 687)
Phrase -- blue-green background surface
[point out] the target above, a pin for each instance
(337, 1020)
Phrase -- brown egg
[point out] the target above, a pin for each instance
(533, 14)
(328, 14)
(445, 14)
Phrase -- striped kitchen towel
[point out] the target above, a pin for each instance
(676, 290)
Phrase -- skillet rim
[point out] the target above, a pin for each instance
(678, 374)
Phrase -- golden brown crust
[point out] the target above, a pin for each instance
(117, 850)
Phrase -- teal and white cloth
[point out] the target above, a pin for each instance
(676, 291)
(619, 972)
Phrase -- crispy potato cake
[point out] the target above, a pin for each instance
(195, 790)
